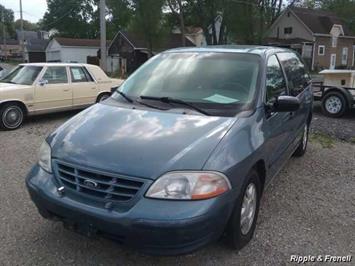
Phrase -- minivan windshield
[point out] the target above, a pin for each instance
(210, 80)
(24, 75)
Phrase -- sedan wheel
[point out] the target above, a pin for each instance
(11, 117)
(103, 97)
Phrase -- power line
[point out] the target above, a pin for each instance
(59, 19)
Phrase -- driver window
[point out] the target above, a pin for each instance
(56, 75)
(275, 80)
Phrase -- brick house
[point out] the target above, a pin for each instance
(322, 38)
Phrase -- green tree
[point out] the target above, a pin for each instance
(147, 21)
(7, 21)
(27, 25)
(120, 14)
(344, 9)
(72, 18)
(243, 21)
(177, 8)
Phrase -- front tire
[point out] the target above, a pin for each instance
(334, 104)
(302, 147)
(11, 116)
(242, 223)
(102, 97)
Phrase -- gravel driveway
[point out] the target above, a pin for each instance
(308, 209)
(341, 128)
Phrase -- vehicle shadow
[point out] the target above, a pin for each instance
(51, 117)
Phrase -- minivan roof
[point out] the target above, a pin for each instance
(249, 49)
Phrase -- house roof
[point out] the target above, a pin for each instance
(172, 40)
(194, 30)
(135, 40)
(79, 42)
(9, 42)
(319, 21)
(28, 35)
(278, 41)
(36, 45)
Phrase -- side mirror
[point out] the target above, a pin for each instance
(43, 82)
(285, 104)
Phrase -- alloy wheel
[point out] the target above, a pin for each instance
(247, 213)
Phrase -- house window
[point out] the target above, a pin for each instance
(288, 30)
(334, 41)
(321, 50)
(344, 57)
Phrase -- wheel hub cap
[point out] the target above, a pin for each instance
(333, 105)
(12, 117)
(248, 209)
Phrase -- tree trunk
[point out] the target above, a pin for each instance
(180, 15)
(182, 23)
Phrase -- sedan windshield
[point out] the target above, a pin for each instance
(211, 81)
(24, 75)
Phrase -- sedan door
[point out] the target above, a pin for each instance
(53, 90)
(84, 87)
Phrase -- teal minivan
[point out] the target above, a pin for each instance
(180, 154)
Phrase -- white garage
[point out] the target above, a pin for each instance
(69, 50)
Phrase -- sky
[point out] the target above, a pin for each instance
(33, 10)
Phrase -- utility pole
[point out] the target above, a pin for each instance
(22, 36)
(103, 61)
(4, 34)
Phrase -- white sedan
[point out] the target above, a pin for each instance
(50, 87)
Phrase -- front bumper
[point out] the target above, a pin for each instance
(160, 227)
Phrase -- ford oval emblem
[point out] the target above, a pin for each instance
(90, 183)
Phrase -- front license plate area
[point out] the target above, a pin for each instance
(87, 230)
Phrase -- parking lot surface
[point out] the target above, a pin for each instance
(308, 209)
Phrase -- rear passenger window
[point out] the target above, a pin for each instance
(79, 74)
(56, 75)
(296, 73)
(275, 81)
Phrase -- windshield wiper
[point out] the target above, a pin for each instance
(177, 101)
(151, 106)
(128, 99)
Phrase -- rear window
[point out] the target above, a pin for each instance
(79, 74)
(296, 72)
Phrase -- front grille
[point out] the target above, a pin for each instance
(96, 184)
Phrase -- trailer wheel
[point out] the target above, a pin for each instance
(334, 104)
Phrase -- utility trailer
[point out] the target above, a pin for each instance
(336, 92)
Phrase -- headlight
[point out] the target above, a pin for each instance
(189, 186)
(45, 157)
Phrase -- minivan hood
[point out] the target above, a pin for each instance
(138, 143)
